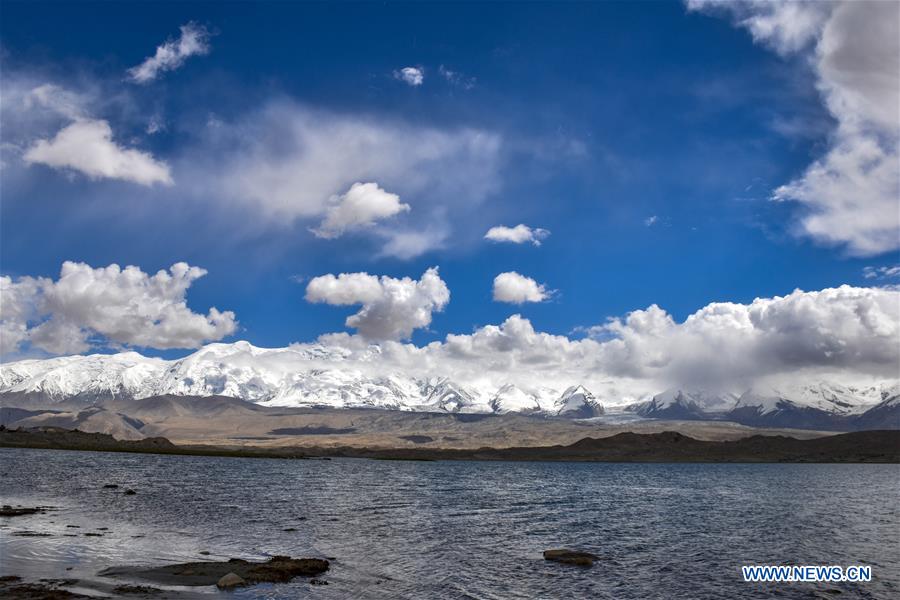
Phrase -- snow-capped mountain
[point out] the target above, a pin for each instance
(823, 405)
(884, 415)
(446, 396)
(308, 375)
(687, 404)
(816, 406)
(333, 376)
(827, 397)
(96, 376)
(511, 398)
(577, 402)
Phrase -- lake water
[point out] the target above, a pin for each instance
(459, 529)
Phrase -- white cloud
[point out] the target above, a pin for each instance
(851, 192)
(456, 78)
(851, 195)
(361, 206)
(651, 220)
(45, 123)
(391, 308)
(16, 310)
(413, 76)
(87, 146)
(57, 100)
(410, 243)
(120, 306)
(519, 234)
(840, 332)
(844, 334)
(287, 163)
(154, 125)
(786, 27)
(881, 272)
(194, 40)
(842, 328)
(514, 288)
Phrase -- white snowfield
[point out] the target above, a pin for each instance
(308, 375)
(320, 375)
(829, 397)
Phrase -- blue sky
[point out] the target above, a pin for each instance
(646, 137)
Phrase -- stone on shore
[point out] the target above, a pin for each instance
(230, 580)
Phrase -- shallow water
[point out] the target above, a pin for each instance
(459, 529)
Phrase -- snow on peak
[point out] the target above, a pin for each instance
(578, 401)
(320, 374)
(825, 396)
(511, 398)
(701, 400)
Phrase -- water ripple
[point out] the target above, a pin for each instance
(448, 530)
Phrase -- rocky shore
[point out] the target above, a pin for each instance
(856, 447)
(126, 581)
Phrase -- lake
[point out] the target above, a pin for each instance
(458, 529)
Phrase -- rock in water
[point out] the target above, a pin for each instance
(278, 569)
(230, 580)
(571, 557)
(9, 511)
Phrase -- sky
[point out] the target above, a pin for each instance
(404, 172)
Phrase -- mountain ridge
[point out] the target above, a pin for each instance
(316, 375)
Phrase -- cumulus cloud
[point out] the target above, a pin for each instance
(844, 334)
(17, 308)
(361, 206)
(514, 288)
(87, 146)
(843, 328)
(413, 76)
(844, 331)
(88, 307)
(391, 308)
(193, 41)
(850, 194)
(519, 234)
(44, 123)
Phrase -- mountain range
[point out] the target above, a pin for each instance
(321, 376)
(824, 406)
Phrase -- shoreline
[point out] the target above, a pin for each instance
(877, 446)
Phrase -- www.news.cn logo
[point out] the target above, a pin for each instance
(809, 573)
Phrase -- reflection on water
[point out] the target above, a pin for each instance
(458, 529)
